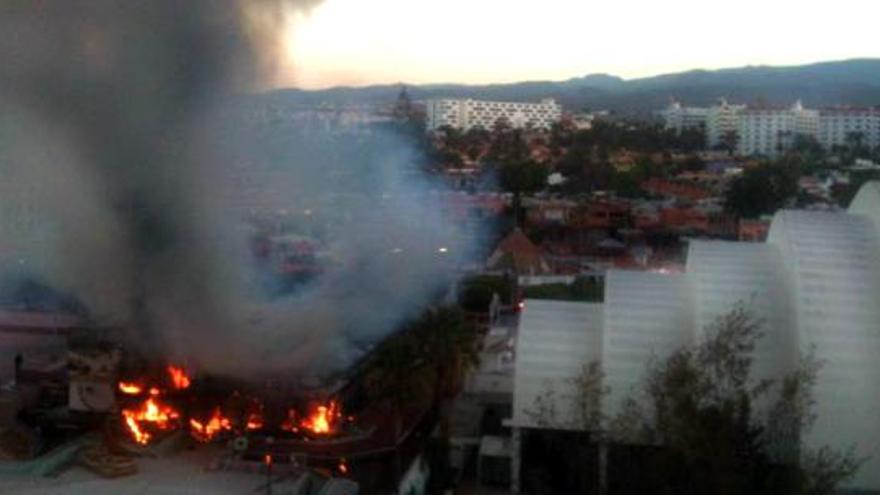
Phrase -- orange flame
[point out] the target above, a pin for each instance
(323, 419)
(179, 378)
(150, 414)
(130, 388)
(205, 432)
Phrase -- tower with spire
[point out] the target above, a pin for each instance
(403, 108)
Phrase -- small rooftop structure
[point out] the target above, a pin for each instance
(517, 253)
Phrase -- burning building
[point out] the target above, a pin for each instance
(131, 151)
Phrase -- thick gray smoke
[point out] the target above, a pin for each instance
(127, 178)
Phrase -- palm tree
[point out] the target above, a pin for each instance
(855, 146)
(426, 363)
(450, 344)
(730, 140)
(399, 375)
(854, 140)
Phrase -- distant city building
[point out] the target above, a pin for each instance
(581, 121)
(837, 126)
(771, 131)
(722, 124)
(405, 110)
(679, 118)
(343, 118)
(466, 114)
(404, 104)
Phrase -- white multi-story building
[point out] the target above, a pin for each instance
(679, 118)
(466, 114)
(838, 125)
(722, 120)
(771, 131)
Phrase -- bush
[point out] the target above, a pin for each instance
(582, 289)
(475, 293)
(700, 405)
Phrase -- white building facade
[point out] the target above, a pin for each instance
(772, 131)
(837, 126)
(679, 118)
(466, 114)
(722, 122)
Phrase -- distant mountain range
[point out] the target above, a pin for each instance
(846, 82)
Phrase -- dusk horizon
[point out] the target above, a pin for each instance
(574, 77)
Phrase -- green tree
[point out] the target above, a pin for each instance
(843, 194)
(426, 364)
(450, 345)
(730, 141)
(763, 189)
(397, 374)
(581, 289)
(808, 147)
(586, 166)
(855, 142)
(520, 179)
(700, 405)
(689, 140)
(475, 293)
(693, 163)
(560, 137)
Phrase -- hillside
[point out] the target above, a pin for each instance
(852, 82)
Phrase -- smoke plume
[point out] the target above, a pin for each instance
(128, 178)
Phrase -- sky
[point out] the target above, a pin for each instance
(360, 42)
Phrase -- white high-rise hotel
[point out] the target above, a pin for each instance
(835, 124)
(722, 120)
(466, 114)
(771, 130)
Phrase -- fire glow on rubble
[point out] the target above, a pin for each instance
(254, 422)
(129, 388)
(323, 419)
(146, 413)
(149, 415)
(206, 431)
(179, 378)
(290, 424)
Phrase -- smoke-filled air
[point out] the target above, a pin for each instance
(133, 179)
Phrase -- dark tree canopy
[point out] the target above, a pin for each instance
(763, 189)
(705, 408)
